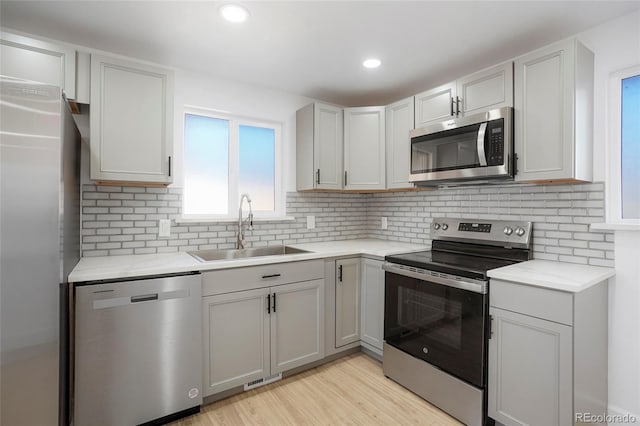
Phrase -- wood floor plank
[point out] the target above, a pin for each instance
(349, 391)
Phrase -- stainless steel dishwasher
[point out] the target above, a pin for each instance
(138, 350)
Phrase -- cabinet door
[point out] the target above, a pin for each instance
(398, 123)
(435, 105)
(297, 324)
(131, 121)
(544, 113)
(372, 307)
(530, 370)
(364, 148)
(31, 59)
(347, 301)
(327, 146)
(236, 339)
(486, 90)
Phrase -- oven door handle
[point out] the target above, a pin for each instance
(475, 286)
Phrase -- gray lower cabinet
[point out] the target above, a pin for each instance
(531, 370)
(297, 325)
(372, 305)
(347, 301)
(237, 339)
(257, 333)
(547, 354)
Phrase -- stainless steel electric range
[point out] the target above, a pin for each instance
(436, 322)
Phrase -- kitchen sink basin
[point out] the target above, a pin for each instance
(228, 254)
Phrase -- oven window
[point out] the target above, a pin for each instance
(442, 325)
(433, 315)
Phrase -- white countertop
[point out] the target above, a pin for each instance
(562, 276)
(115, 267)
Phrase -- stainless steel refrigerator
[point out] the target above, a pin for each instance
(40, 245)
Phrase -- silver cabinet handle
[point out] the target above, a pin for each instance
(318, 176)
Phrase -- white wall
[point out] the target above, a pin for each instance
(616, 45)
(204, 91)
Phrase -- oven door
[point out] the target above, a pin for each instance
(441, 324)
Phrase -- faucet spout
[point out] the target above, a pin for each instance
(240, 233)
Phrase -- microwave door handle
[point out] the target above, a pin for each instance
(480, 144)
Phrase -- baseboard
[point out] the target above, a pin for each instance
(371, 351)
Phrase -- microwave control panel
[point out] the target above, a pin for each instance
(495, 130)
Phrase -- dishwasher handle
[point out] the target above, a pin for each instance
(144, 298)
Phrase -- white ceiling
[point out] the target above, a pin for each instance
(315, 48)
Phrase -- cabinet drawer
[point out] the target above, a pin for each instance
(537, 302)
(239, 279)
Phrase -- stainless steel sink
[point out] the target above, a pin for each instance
(227, 254)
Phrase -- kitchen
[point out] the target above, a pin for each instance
(565, 232)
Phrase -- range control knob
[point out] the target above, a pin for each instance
(445, 226)
(508, 230)
(436, 226)
(519, 231)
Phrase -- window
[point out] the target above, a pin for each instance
(623, 183)
(630, 147)
(225, 157)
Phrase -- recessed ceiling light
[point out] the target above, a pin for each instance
(371, 63)
(234, 13)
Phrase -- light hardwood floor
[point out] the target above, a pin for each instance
(349, 391)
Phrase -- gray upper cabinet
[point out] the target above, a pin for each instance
(347, 301)
(364, 148)
(37, 60)
(319, 147)
(547, 354)
(435, 105)
(481, 91)
(554, 113)
(398, 123)
(485, 90)
(131, 121)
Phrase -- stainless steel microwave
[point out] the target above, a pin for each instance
(467, 149)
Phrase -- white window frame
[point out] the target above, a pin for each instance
(614, 144)
(235, 121)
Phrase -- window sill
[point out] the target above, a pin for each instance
(615, 227)
(234, 220)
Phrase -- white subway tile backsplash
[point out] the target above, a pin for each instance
(561, 215)
(123, 220)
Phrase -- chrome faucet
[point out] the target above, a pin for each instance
(240, 234)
